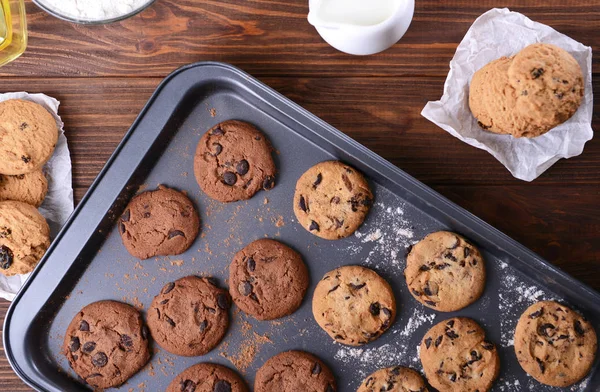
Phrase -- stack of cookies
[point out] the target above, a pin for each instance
(28, 136)
(528, 94)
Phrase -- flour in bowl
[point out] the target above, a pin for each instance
(94, 10)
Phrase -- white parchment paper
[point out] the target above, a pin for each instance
(497, 33)
(58, 205)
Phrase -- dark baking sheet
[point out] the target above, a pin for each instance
(87, 262)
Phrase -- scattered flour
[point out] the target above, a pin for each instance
(418, 318)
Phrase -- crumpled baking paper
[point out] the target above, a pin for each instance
(497, 33)
(58, 205)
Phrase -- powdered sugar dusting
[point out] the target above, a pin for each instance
(418, 318)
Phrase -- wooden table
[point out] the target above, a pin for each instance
(103, 75)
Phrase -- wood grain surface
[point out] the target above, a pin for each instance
(103, 75)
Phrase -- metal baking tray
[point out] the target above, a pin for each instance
(87, 262)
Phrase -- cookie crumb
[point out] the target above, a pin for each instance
(213, 112)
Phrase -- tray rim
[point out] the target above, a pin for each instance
(510, 246)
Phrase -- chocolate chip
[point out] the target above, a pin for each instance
(338, 337)
(242, 167)
(245, 288)
(387, 312)
(313, 226)
(431, 303)
(536, 314)
(222, 386)
(122, 227)
(269, 183)
(145, 332)
(229, 178)
(424, 267)
(23, 126)
(176, 233)
(251, 264)
(357, 286)
(164, 301)
(212, 281)
(334, 288)
(428, 342)
(126, 215)
(451, 334)
(74, 344)
(218, 149)
(485, 127)
(187, 386)
(88, 347)
(474, 262)
(440, 267)
(170, 321)
(450, 256)
(537, 72)
(438, 341)
(318, 180)
(416, 293)
(222, 301)
(84, 326)
(540, 364)
(302, 204)
(203, 326)
(126, 342)
(335, 200)
(217, 131)
(545, 330)
(579, 328)
(99, 359)
(450, 324)
(6, 257)
(26, 158)
(168, 288)
(375, 308)
(427, 290)
(560, 95)
(452, 377)
(316, 370)
(5, 232)
(330, 388)
(147, 215)
(347, 182)
(524, 93)
(487, 345)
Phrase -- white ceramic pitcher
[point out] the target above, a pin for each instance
(364, 37)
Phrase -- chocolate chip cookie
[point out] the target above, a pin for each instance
(28, 136)
(24, 237)
(457, 357)
(159, 223)
(554, 344)
(444, 272)
(294, 371)
(268, 280)
(190, 316)
(233, 161)
(30, 188)
(332, 200)
(106, 343)
(394, 379)
(354, 305)
(207, 377)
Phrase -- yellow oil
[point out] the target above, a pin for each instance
(13, 30)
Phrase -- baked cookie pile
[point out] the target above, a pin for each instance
(528, 94)
(107, 342)
(28, 136)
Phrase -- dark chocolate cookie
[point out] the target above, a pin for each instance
(457, 357)
(190, 316)
(294, 371)
(207, 377)
(233, 161)
(332, 200)
(444, 272)
(159, 223)
(394, 379)
(354, 305)
(106, 343)
(268, 280)
(554, 344)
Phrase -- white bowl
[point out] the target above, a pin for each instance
(364, 40)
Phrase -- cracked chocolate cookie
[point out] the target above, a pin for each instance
(24, 237)
(444, 272)
(268, 280)
(554, 344)
(332, 200)
(294, 371)
(159, 223)
(457, 357)
(106, 343)
(233, 161)
(394, 379)
(354, 305)
(207, 377)
(30, 188)
(190, 316)
(28, 136)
